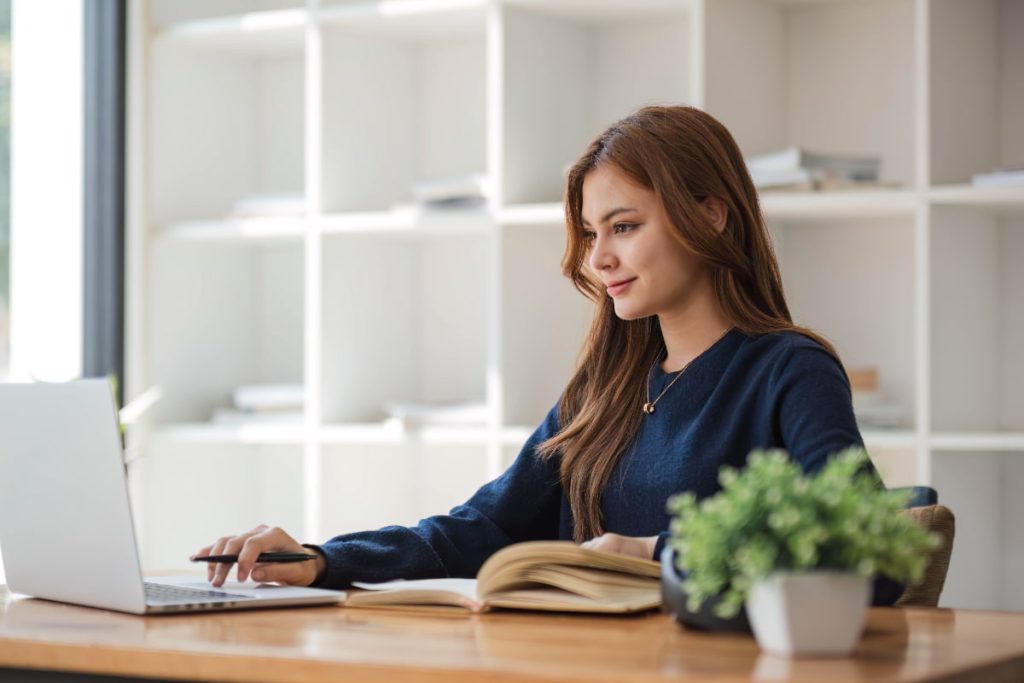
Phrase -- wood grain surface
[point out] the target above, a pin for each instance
(331, 643)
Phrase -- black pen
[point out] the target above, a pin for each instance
(262, 557)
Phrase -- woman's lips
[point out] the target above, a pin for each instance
(617, 289)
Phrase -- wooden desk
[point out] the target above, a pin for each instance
(332, 644)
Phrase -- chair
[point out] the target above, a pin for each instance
(926, 511)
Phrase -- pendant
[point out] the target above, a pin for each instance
(648, 408)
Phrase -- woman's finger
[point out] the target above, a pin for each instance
(216, 549)
(270, 539)
(291, 574)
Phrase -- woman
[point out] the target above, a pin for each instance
(691, 362)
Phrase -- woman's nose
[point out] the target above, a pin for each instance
(601, 255)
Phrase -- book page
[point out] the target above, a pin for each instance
(512, 560)
(458, 592)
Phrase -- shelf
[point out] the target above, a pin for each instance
(977, 441)
(889, 439)
(784, 206)
(544, 214)
(389, 432)
(408, 19)
(605, 11)
(393, 432)
(407, 222)
(515, 436)
(984, 197)
(837, 205)
(881, 439)
(253, 434)
(252, 34)
(236, 230)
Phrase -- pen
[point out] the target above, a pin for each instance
(262, 557)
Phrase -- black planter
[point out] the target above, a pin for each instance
(674, 600)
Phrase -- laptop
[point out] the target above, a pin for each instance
(65, 519)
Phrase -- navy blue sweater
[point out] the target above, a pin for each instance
(773, 391)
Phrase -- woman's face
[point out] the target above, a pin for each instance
(645, 270)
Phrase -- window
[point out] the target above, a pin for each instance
(5, 187)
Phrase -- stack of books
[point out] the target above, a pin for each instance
(871, 408)
(797, 168)
(470, 191)
(264, 403)
(1004, 177)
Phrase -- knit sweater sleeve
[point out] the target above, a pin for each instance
(813, 406)
(522, 504)
(816, 420)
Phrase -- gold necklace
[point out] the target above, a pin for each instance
(649, 405)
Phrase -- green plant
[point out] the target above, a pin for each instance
(769, 517)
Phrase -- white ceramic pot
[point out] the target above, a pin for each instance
(809, 614)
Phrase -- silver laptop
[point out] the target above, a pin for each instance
(65, 519)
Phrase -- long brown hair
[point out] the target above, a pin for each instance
(685, 156)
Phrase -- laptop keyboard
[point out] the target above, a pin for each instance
(161, 594)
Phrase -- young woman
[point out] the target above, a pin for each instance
(691, 362)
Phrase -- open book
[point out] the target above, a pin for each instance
(538, 575)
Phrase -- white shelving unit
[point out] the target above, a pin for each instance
(367, 300)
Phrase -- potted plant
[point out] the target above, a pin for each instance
(798, 551)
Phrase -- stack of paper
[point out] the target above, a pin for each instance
(458, 192)
(797, 168)
(264, 403)
(872, 408)
(1008, 177)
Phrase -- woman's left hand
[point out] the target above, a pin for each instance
(636, 546)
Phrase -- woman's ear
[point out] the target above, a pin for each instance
(716, 211)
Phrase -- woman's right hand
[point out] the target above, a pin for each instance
(249, 545)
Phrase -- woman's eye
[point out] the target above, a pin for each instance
(625, 227)
(589, 236)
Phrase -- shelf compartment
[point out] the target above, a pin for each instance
(405, 321)
(977, 87)
(853, 281)
(830, 77)
(981, 488)
(544, 323)
(977, 321)
(221, 317)
(402, 109)
(225, 127)
(368, 487)
(566, 78)
(199, 491)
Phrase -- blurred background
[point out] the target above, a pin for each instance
(316, 244)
